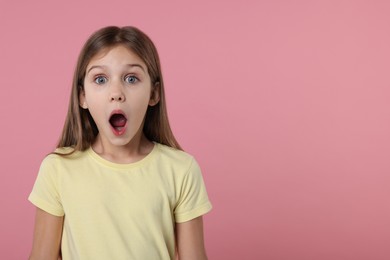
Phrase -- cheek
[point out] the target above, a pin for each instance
(138, 107)
(94, 98)
(139, 99)
(95, 109)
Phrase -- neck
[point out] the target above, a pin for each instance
(135, 150)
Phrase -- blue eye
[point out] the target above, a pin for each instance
(131, 79)
(100, 80)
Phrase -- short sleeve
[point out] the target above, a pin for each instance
(193, 200)
(45, 193)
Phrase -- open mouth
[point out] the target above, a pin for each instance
(118, 122)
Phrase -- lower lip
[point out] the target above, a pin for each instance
(119, 131)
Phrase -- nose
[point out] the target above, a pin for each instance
(117, 94)
(117, 97)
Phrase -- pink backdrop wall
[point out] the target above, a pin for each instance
(285, 104)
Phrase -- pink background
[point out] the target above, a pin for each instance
(285, 104)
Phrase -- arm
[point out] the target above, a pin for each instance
(47, 236)
(190, 242)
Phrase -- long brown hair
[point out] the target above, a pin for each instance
(80, 130)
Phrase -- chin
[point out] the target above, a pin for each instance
(122, 140)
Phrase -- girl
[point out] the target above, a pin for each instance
(118, 186)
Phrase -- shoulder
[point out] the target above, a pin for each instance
(62, 155)
(179, 162)
(61, 162)
(173, 155)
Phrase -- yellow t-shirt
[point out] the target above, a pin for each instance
(121, 211)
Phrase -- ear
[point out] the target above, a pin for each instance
(82, 101)
(155, 94)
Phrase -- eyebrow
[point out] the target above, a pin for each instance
(103, 67)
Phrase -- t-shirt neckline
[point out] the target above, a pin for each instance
(110, 164)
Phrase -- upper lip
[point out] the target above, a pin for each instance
(118, 112)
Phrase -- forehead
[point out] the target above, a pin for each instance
(116, 55)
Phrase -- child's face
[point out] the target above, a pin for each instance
(117, 92)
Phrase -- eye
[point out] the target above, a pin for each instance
(131, 79)
(100, 80)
